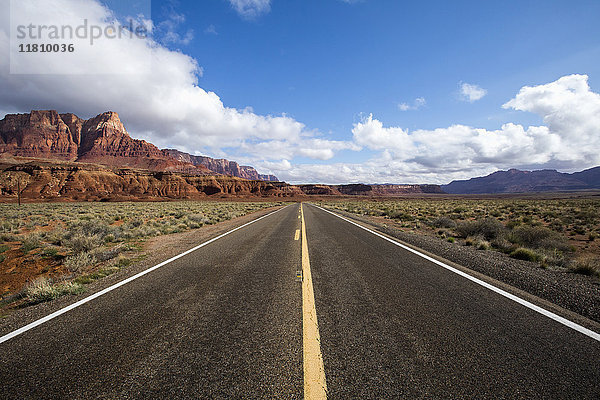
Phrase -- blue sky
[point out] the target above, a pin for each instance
(343, 78)
(325, 61)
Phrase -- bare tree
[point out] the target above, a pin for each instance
(21, 186)
(19, 190)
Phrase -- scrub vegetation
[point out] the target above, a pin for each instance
(49, 250)
(556, 233)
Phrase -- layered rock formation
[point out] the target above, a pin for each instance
(102, 139)
(40, 134)
(359, 189)
(67, 181)
(221, 166)
(77, 181)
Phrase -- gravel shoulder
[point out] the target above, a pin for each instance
(578, 294)
(155, 250)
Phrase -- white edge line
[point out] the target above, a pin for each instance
(493, 288)
(123, 282)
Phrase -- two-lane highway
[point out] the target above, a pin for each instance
(226, 321)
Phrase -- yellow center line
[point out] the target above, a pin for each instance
(315, 386)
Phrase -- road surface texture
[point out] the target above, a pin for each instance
(226, 321)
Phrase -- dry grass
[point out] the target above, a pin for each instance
(553, 232)
(43, 289)
(87, 239)
(587, 265)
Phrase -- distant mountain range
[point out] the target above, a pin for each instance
(516, 181)
(103, 140)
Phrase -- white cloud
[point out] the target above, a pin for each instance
(471, 93)
(569, 140)
(377, 170)
(211, 30)
(167, 31)
(567, 106)
(251, 9)
(165, 107)
(170, 109)
(463, 148)
(418, 103)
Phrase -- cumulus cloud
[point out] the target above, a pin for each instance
(168, 30)
(418, 103)
(164, 105)
(567, 106)
(568, 140)
(471, 93)
(251, 9)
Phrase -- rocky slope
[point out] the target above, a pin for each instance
(516, 181)
(221, 166)
(77, 181)
(387, 190)
(360, 189)
(103, 140)
(41, 134)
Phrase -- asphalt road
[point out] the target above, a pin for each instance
(225, 321)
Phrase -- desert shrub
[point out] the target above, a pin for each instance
(512, 224)
(8, 237)
(79, 262)
(3, 248)
(121, 261)
(106, 254)
(443, 222)
(488, 228)
(42, 289)
(92, 227)
(553, 257)
(31, 242)
(501, 244)
(482, 244)
(538, 237)
(586, 265)
(56, 237)
(135, 223)
(198, 218)
(401, 215)
(81, 243)
(50, 251)
(525, 254)
(451, 240)
(2, 257)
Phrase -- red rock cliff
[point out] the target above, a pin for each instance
(102, 139)
(221, 166)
